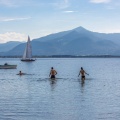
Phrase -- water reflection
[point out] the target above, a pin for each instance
(82, 83)
(53, 83)
(67, 98)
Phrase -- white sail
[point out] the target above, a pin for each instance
(24, 55)
(29, 49)
(27, 56)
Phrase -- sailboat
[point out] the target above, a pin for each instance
(27, 56)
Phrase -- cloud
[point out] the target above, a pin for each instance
(62, 4)
(100, 1)
(13, 19)
(12, 36)
(66, 1)
(9, 3)
(70, 11)
(18, 3)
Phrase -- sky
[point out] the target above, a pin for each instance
(37, 18)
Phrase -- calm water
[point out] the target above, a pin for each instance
(36, 97)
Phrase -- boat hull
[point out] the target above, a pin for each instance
(8, 66)
(27, 60)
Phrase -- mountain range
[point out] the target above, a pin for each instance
(4, 47)
(78, 41)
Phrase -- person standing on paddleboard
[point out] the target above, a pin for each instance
(52, 73)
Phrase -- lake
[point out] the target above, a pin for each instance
(36, 97)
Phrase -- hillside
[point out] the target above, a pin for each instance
(78, 41)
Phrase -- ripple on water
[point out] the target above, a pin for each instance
(36, 97)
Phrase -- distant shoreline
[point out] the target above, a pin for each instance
(67, 56)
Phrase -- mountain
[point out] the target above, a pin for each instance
(8, 46)
(78, 41)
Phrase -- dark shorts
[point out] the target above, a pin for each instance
(52, 76)
(83, 77)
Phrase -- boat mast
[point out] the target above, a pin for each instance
(29, 49)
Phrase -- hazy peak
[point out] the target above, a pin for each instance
(82, 30)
